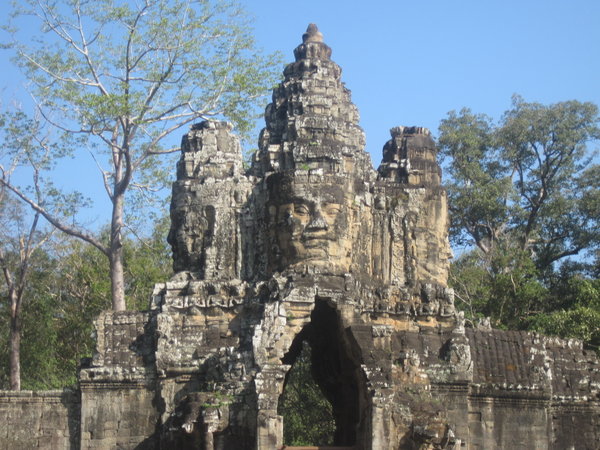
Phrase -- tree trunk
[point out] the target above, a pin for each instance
(15, 343)
(117, 278)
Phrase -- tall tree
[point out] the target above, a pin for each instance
(528, 179)
(117, 78)
(20, 232)
(524, 197)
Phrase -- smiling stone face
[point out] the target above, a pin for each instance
(308, 222)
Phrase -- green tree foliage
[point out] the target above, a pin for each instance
(525, 198)
(66, 291)
(573, 307)
(528, 179)
(22, 262)
(115, 79)
(503, 284)
(147, 261)
(39, 365)
(307, 415)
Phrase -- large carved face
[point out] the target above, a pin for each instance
(309, 222)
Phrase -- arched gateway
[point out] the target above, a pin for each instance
(313, 245)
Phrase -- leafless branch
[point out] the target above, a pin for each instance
(54, 221)
(105, 175)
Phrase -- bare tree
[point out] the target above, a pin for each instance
(20, 234)
(117, 78)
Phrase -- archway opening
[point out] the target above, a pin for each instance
(324, 401)
(307, 414)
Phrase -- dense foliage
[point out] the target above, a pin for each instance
(525, 216)
(67, 288)
(307, 414)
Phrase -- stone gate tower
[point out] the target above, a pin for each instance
(311, 244)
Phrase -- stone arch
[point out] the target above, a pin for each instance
(336, 366)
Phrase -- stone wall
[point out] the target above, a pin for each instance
(39, 420)
(118, 388)
(117, 415)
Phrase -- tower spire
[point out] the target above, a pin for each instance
(312, 34)
(312, 122)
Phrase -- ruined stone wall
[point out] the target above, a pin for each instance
(118, 388)
(118, 415)
(39, 420)
(574, 426)
(508, 423)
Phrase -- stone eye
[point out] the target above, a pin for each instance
(331, 210)
(301, 210)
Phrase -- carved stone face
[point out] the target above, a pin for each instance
(309, 222)
(190, 234)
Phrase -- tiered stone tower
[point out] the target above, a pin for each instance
(312, 123)
(312, 245)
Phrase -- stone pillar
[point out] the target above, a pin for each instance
(269, 425)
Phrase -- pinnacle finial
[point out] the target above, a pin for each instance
(312, 34)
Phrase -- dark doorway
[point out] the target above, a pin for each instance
(307, 414)
(325, 385)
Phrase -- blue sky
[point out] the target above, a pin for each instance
(409, 63)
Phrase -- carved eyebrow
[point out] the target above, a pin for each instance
(302, 201)
(330, 202)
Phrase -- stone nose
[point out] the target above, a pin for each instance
(317, 222)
